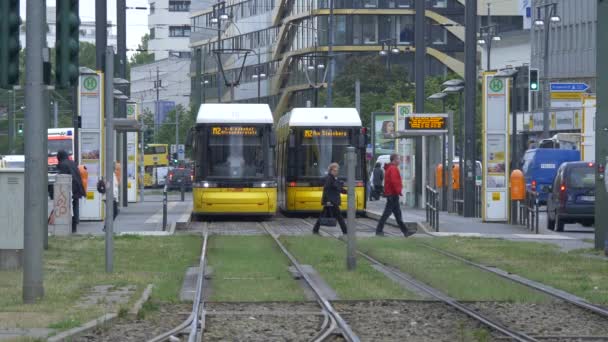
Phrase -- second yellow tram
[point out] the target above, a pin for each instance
(308, 140)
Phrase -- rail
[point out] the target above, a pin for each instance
(433, 292)
(191, 324)
(432, 207)
(529, 211)
(336, 319)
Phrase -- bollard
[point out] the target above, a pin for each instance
(165, 207)
(182, 191)
(351, 161)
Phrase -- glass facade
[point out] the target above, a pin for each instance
(295, 55)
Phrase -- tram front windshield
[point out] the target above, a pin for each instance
(322, 146)
(235, 152)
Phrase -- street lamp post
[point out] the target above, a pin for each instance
(456, 86)
(219, 15)
(549, 12)
(389, 47)
(487, 35)
(444, 197)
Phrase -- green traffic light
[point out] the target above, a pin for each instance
(533, 86)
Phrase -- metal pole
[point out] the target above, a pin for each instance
(76, 152)
(101, 33)
(177, 115)
(156, 109)
(450, 197)
(461, 155)
(196, 100)
(141, 159)
(55, 114)
(488, 38)
(444, 165)
(330, 52)
(546, 85)
(358, 95)
(470, 71)
(601, 133)
(257, 70)
(121, 50)
(514, 124)
(11, 120)
(165, 207)
(351, 249)
(109, 157)
(419, 63)
(219, 56)
(35, 217)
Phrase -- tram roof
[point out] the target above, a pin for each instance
(347, 117)
(234, 113)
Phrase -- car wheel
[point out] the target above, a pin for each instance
(559, 224)
(550, 223)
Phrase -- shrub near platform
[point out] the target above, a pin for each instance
(74, 265)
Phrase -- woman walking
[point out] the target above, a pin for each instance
(331, 198)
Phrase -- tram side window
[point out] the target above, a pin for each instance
(236, 157)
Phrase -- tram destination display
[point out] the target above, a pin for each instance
(233, 131)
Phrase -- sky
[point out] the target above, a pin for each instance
(137, 20)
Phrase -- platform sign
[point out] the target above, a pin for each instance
(405, 148)
(495, 194)
(90, 104)
(132, 155)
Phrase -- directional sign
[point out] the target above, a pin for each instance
(569, 87)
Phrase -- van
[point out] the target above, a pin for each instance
(540, 167)
(572, 197)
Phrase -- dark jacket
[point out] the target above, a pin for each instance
(378, 176)
(331, 190)
(68, 167)
(392, 181)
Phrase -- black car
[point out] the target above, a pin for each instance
(178, 177)
(572, 196)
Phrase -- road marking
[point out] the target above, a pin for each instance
(156, 218)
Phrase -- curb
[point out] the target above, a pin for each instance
(107, 318)
(392, 222)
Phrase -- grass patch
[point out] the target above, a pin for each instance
(66, 324)
(250, 268)
(456, 279)
(591, 241)
(572, 271)
(328, 257)
(74, 265)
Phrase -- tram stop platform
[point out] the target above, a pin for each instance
(450, 224)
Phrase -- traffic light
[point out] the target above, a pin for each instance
(533, 80)
(9, 43)
(20, 129)
(174, 156)
(67, 45)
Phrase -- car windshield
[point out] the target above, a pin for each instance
(581, 177)
(55, 146)
(321, 147)
(181, 172)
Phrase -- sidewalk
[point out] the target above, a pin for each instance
(454, 225)
(143, 216)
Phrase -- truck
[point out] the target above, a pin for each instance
(58, 139)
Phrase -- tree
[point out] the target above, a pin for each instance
(142, 56)
(166, 131)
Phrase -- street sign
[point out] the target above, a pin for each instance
(569, 87)
(181, 152)
(173, 148)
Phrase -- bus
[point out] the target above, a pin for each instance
(233, 154)
(309, 139)
(156, 164)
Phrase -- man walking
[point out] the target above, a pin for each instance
(392, 191)
(67, 167)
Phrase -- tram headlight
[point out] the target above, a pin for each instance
(270, 184)
(206, 185)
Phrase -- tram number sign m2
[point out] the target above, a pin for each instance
(426, 124)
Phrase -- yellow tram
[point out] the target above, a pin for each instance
(309, 139)
(233, 152)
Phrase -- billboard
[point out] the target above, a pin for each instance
(162, 109)
(382, 130)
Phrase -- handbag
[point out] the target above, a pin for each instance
(326, 219)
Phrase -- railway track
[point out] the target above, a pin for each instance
(194, 325)
(332, 318)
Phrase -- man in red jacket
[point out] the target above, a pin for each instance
(392, 191)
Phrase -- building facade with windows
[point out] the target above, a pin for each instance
(169, 26)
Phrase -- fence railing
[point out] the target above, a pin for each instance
(432, 207)
(529, 211)
(458, 201)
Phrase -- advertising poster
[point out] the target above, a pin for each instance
(384, 127)
(89, 142)
(132, 184)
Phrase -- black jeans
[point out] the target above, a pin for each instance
(392, 207)
(75, 213)
(334, 211)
